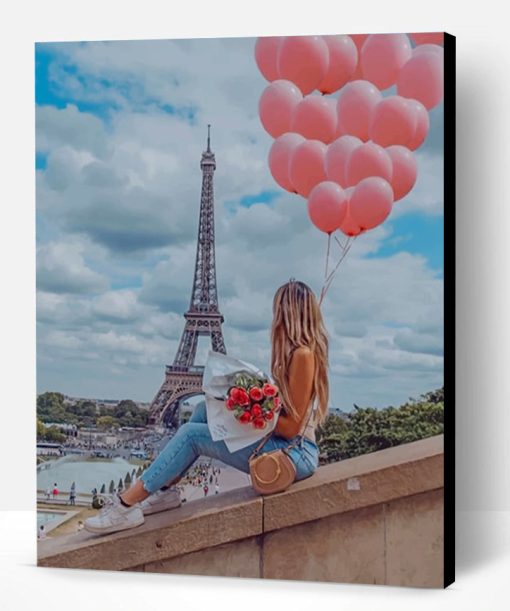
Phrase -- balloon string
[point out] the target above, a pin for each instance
(344, 252)
(329, 279)
(327, 257)
(326, 270)
(342, 246)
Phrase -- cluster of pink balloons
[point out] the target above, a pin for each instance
(351, 156)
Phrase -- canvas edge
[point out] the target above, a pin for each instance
(449, 306)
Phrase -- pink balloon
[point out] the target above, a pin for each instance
(348, 226)
(357, 75)
(422, 125)
(429, 49)
(355, 106)
(304, 60)
(343, 59)
(371, 202)
(405, 170)
(382, 57)
(368, 159)
(266, 55)
(358, 40)
(279, 158)
(434, 38)
(339, 132)
(422, 79)
(327, 206)
(315, 118)
(393, 121)
(336, 158)
(276, 104)
(306, 168)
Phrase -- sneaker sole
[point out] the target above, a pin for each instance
(105, 531)
(151, 511)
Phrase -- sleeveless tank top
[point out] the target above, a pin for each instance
(309, 430)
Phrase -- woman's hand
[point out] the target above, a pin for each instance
(300, 384)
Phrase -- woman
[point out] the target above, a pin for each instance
(299, 365)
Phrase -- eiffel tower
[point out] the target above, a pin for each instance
(184, 379)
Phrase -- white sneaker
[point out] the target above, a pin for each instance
(161, 500)
(114, 516)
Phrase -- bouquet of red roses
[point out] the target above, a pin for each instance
(252, 400)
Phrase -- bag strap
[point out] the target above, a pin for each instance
(291, 445)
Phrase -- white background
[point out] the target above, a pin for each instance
(483, 223)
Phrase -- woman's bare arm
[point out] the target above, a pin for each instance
(301, 373)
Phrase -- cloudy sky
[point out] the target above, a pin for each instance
(120, 128)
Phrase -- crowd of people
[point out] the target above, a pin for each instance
(148, 443)
(204, 476)
(52, 492)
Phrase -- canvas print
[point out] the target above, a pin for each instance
(243, 298)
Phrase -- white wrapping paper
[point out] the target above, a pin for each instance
(218, 378)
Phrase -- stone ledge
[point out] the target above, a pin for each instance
(359, 482)
(191, 527)
(383, 476)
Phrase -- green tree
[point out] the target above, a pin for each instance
(111, 488)
(121, 485)
(50, 407)
(84, 411)
(53, 435)
(128, 413)
(49, 400)
(106, 423)
(368, 429)
(127, 480)
(41, 430)
(103, 489)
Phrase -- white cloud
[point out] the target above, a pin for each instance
(421, 343)
(70, 127)
(120, 305)
(61, 268)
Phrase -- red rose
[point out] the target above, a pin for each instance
(268, 415)
(256, 394)
(234, 393)
(259, 423)
(245, 417)
(230, 403)
(269, 390)
(240, 396)
(276, 402)
(256, 410)
(244, 398)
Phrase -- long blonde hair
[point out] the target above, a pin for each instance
(297, 322)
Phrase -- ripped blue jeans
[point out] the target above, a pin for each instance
(193, 439)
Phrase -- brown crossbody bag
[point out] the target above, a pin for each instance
(274, 471)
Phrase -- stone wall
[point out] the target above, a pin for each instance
(376, 519)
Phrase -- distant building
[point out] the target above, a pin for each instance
(124, 434)
(186, 409)
(336, 411)
(47, 449)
